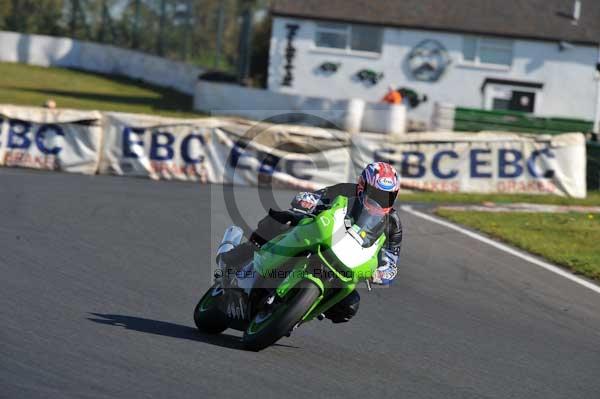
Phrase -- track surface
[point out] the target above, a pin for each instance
(99, 276)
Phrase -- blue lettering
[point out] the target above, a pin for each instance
(504, 163)
(237, 153)
(185, 148)
(476, 162)
(128, 145)
(268, 164)
(17, 134)
(408, 167)
(156, 146)
(41, 136)
(531, 163)
(435, 165)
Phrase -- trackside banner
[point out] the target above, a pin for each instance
(161, 148)
(482, 162)
(222, 151)
(285, 156)
(62, 140)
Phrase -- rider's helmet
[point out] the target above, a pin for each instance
(378, 187)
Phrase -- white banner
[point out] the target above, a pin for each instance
(482, 162)
(160, 148)
(38, 138)
(223, 151)
(214, 150)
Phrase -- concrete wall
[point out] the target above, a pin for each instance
(384, 118)
(569, 77)
(64, 52)
(352, 115)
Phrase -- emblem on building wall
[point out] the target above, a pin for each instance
(329, 68)
(428, 60)
(368, 76)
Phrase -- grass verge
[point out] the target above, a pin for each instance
(22, 84)
(593, 198)
(571, 240)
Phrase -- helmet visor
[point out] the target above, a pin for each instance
(385, 199)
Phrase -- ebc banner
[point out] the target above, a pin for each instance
(160, 148)
(482, 162)
(38, 138)
(215, 150)
(286, 162)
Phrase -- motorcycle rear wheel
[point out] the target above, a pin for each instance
(207, 315)
(268, 327)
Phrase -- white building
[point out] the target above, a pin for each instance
(537, 56)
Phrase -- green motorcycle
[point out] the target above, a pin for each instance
(295, 277)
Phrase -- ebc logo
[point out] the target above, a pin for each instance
(163, 145)
(386, 183)
(22, 135)
(511, 163)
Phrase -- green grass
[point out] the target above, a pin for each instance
(29, 85)
(593, 198)
(571, 240)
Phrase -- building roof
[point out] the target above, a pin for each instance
(532, 19)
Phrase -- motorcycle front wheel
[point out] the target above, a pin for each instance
(268, 326)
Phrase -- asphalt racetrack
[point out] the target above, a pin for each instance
(99, 277)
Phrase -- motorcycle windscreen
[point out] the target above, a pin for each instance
(367, 225)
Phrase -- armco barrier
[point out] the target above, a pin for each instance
(94, 57)
(215, 150)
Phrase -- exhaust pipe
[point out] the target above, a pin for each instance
(231, 238)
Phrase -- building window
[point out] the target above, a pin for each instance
(330, 35)
(521, 101)
(359, 38)
(511, 98)
(366, 38)
(487, 51)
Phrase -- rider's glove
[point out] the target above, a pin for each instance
(384, 275)
(306, 202)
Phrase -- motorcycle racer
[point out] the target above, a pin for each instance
(374, 194)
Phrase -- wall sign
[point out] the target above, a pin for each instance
(413, 98)
(428, 60)
(290, 53)
(329, 67)
(369, 76)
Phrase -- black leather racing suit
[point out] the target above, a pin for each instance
(275, 224)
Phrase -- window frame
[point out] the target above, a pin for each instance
(476, 62)
(493, 90)
(348, 33)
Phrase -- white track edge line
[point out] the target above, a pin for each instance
(505, 248)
